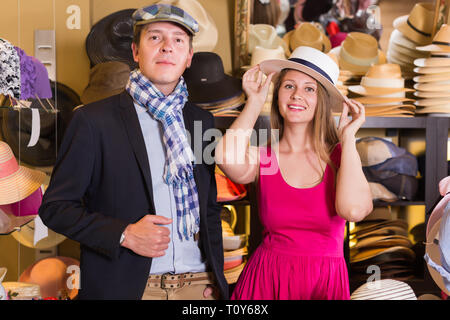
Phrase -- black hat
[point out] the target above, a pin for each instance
(16, 127)
(110, 39)
(206, 79)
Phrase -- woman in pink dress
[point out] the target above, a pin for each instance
(310, 181)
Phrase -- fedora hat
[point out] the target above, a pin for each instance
(265, 36)
(314, 63)
(418, 25)
(405, 60)
(358, 52)
(206, 79)
(381, 79)
(437, 252)
(441, 41)
(407, 51)
(52, 277)
(397, 39)
(106, 79)
(433, 86)
(10, 70)
(308, 35)
(384, 289)
(16, 182)
(207, 36)
(429, 94)
(260, 54)
(110, 39)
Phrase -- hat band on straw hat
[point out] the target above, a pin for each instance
(417, 30)
(312, 66)
(440, 43)
(357, 61)
(8, 167)
(382, 83)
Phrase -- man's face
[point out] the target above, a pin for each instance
(163, 54)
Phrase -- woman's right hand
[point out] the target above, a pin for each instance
(255, 87)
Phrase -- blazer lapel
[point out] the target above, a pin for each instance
(133, 129)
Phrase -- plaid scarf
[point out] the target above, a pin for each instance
(179, 156)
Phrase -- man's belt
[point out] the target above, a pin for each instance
(174, 281)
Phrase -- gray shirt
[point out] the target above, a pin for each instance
(181, 256)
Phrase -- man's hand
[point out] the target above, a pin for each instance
(147, 238)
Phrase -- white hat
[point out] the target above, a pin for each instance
(386, 289)
(314, 63)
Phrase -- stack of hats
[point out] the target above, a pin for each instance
(390, 166)
(411, 31)
(210, 88)
(235, 246)
(379, 240)
(382, 92)
(433, 84)
(357, 53)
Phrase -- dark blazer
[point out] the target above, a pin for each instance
(101, 182)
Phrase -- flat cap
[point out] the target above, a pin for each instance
(165, 12)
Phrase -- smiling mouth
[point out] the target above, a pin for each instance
(296, 107)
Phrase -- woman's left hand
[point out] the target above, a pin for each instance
(347, 128)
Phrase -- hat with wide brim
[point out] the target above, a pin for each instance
(265, 36)
(433, 252)
(445, 109)
(17, 127)
(418, 25)
(399, 39)
(432, 94)
(441, 41)
(25, 236)
(16, 182)
(431, 70)
(52, 275)
(404, 59)
(363, 227)
(315, 64)
(393, 47)
(432, 102)
(206, 79)
(110, 39)
(367, 254)
(378, 101)
(383, 242)
(207, 36)
(390, 109)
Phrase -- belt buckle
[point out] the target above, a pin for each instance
(166, 276)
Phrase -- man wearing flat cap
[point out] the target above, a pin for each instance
(126, 184)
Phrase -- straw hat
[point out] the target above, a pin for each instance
(444, 109)
(381, 79)
(358, 52)
(441, 41)
(431, 70)
(52, 276)
(314, 63)
(384, 289)
(260, 54)
(207, 36)
(383, 242)
(265, 35)
(22, 290)
(376, 101)
(367, 254)
(432, 102)
(433, 86)
(406, 51)
(307, 34)
(399, 40)
(429, 94)
(418, 25)
(433, 77)
(16, 182)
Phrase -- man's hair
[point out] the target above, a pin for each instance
(138, 30)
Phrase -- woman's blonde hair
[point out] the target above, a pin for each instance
(325, 135)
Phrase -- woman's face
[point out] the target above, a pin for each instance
(297, 97)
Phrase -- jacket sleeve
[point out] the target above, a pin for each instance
(62, 208)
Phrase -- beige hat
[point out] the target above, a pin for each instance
(431, 70)
(260, 54)
(23, 290)
(307, 34)
(445, 108)
(432, 94)
(398, 39)
(432, 102)
(407, 52)
(441, 41)
(433, 86)
(25, 236)
(377, 101)
(432, 62)
(418, 25)
(265, 35)
(381, 79)
(403, 59)
(207, 36)
(359, 51)
(433, 77)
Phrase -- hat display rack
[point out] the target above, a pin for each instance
(34, 112)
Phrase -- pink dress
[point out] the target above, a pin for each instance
(301, 254)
